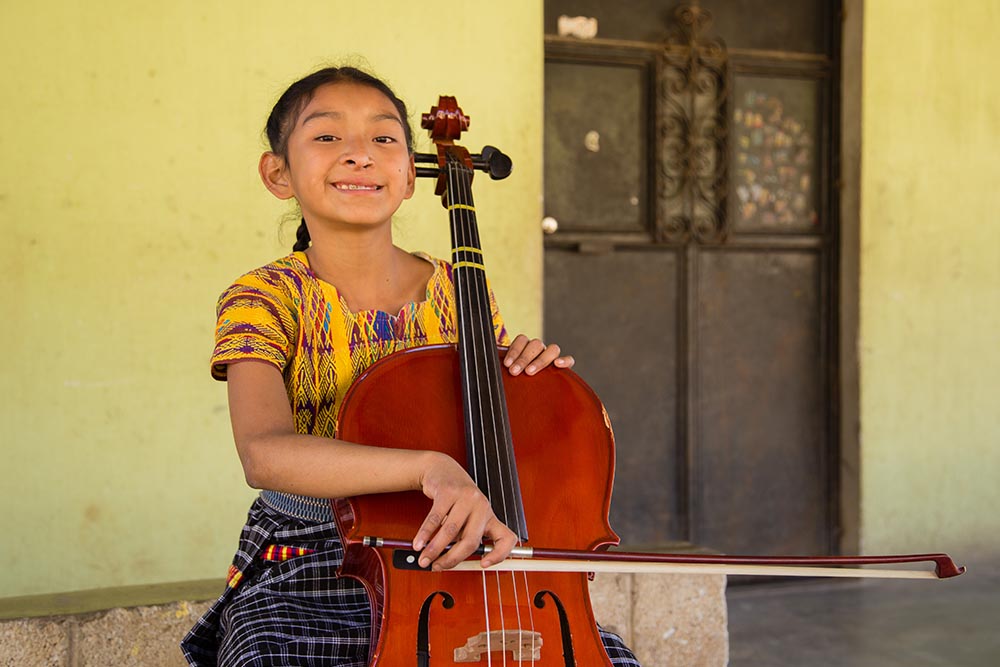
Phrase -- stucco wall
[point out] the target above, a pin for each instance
(930, 278)
(129, 199)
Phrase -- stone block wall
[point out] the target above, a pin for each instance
(133, 637)
(667, 619)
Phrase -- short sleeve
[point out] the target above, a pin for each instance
(254, 323)
(503, 338)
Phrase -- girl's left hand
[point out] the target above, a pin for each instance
(532, 355)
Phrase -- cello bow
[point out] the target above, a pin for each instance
(450, 121)
(533, 559)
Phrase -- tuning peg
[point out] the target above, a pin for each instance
(497, 164)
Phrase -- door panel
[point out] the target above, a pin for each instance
(595, 121)
(759, 472)
(775, 176)
(627, 352)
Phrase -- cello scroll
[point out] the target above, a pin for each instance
(446, 122)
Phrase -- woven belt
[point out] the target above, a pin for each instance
(306, 508)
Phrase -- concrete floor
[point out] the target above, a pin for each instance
(862, 623)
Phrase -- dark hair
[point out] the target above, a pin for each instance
(291, 103)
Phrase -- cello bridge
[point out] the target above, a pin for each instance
(522, 644)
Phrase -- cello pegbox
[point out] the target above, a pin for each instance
(446, 122)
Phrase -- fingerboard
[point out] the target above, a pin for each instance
(487, 426)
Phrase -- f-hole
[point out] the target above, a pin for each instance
(423, 639)
(567, 638)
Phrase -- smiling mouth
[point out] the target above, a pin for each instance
(356, 187)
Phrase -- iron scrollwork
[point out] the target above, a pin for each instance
(693, 89)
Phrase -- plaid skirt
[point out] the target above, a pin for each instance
(290, 608)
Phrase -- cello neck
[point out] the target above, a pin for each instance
(487, 426)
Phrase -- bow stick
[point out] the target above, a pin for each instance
(555, 560)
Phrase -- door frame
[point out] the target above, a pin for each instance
(844, 412)
(851, 44)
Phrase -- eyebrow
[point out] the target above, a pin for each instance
(337, 115)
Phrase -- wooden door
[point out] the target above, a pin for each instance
(689, 178)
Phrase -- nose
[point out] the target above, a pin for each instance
(356, 153)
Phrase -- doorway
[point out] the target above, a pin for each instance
(691, 261)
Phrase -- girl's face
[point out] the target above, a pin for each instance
(348, 163)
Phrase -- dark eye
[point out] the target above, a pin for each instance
(385, 140)
(326, 137)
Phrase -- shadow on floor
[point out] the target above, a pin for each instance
(869, 622)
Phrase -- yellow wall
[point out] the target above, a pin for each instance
(129, 199)
(930, 278)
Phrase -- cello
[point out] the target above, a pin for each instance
(540, 447)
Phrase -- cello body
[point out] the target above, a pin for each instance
(564, 449)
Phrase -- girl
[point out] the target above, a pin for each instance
(291, 338)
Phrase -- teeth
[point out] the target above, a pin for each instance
(351, 186)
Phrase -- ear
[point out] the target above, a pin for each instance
(274, 173)
(411, 178)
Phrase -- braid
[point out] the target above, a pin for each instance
(301, 237)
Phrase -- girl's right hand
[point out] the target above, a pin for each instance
(460, 516)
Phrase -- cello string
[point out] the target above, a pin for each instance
(471, 371)
(464, 276)
(477, 299)
(471, 303)
(479, 303)
(489, 637)
(531, 614)
(501, 425)
(502, 435)
(501, 439)
(493, 385)
(503, 622)
(458, 274)
(460, 217)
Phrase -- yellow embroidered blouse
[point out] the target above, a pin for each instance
(283, 314)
